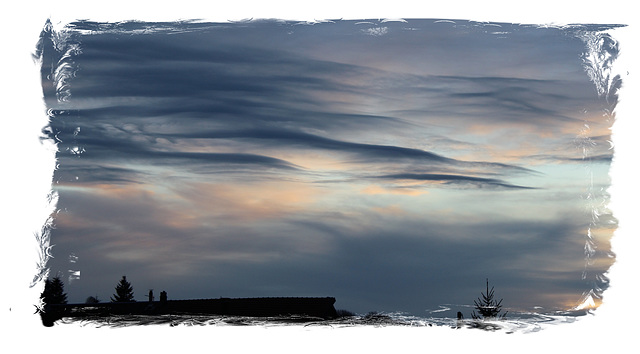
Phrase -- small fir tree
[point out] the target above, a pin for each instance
(124, 291)
(487, 306)
(53, 292)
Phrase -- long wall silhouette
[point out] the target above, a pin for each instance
(321, 307)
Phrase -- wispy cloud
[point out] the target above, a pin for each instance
(452, 179)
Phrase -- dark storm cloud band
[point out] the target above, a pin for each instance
(368, 152)
(289, 138)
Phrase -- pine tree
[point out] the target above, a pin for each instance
(124, 291)
(487, 306)
(53, 292)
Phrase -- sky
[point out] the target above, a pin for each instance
(394, 165)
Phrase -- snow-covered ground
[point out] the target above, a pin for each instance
(518, 322)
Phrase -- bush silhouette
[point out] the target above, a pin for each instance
(124, 291)
(92, 300)
(344, 313)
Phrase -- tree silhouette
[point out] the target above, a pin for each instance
(487, 306)
(53, 292)
(124, 291)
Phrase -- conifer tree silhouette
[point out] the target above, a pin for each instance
(124, 291)
(53, 292)
(487, 306)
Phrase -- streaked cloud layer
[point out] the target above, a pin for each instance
(393, 165)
